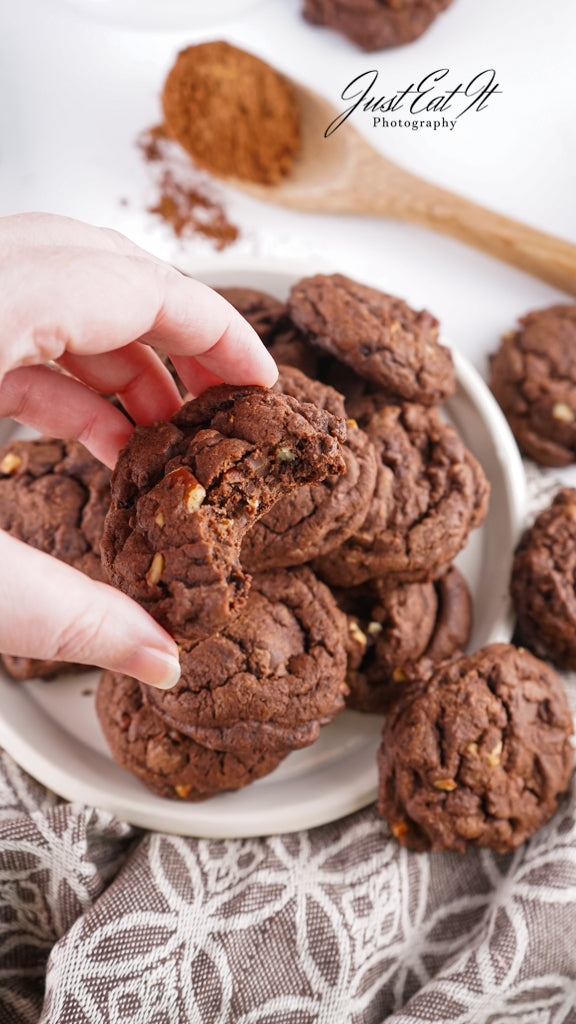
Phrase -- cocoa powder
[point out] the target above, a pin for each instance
(233, 113)
(186, 200)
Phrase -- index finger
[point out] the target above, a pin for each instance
(89, 301)
(198, 330)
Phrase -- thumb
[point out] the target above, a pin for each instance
(51, 611)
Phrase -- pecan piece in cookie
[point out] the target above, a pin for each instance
(184, 493)
(318, 517)
(165, 760)
(533, 376)
(479, 756)
(391, 628)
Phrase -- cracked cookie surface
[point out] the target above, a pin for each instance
(54, 495)
(317, 517)
(185, 492)
(165, 760)
(379, 336)
(430, 494)
(272, 677)
(479, 756)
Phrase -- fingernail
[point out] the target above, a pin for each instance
(151, 666)
(272, 370)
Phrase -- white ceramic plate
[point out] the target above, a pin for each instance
(52, 731)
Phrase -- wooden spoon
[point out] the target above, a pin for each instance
(345, 174)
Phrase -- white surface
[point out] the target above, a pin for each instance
(51, 728)
(161, 15)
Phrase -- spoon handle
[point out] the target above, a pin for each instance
(549, 258)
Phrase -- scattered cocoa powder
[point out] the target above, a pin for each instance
(187, 210)
(151, 142)
(186, 200)
(233, 113)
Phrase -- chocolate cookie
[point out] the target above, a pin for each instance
(294, 382)
(480, 756)
(346, 382)
(269, 318)
(543, 583)
(317, 517)
(378, 335)
(54, 495)
(390, 629)
(184, 493)
(431, 493)
(262, 311)
(533, 376)
(271, 678)
(163, 759)
(375, 24)
(363, 405)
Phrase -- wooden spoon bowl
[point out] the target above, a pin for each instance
(344, 174)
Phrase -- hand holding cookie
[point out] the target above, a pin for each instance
(87, 301)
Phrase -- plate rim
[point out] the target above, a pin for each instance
(188, 818)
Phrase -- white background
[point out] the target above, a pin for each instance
(75, 93)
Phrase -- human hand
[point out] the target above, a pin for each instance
(92, 302)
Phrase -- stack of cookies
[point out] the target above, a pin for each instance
(263, 659)
(475, 750)
(349, 551)
(298, 544)
(247, 696)
(384, 535)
